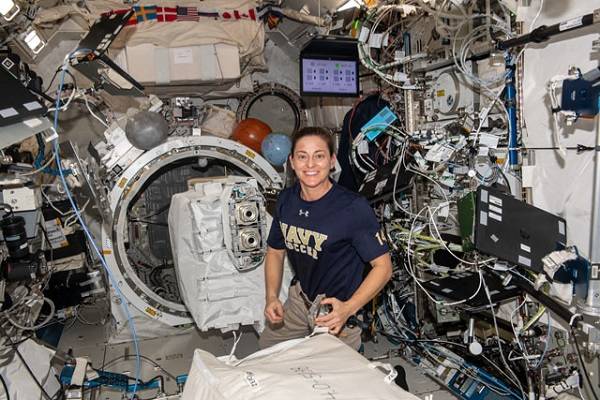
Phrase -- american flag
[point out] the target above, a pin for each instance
(187, 14)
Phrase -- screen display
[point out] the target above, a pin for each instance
(329, 76)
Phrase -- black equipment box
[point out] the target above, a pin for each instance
(462, 285)
(516, 231)
(379, 184)
(17, 104)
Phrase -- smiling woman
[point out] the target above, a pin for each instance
(328, 233)
(312, 159)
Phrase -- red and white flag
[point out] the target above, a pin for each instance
(237, 15)
(166, 14)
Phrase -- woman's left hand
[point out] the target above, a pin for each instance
(336, 319)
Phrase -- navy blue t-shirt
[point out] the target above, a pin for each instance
(328, 241)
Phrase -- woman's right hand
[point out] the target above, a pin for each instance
(274, 311)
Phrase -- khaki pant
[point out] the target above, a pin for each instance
(298, 324)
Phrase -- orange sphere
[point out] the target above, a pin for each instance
(251, 132)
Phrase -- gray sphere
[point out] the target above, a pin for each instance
(146, 130)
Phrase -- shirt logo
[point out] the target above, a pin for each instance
(302, 212)
(303, 240)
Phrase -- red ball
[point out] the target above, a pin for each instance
(251, 132)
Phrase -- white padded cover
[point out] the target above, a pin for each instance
(320, 367)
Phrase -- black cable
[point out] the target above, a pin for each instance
(148, 222)
(7, 207)
(60, 395)
(46, 395)
(585, 372)
(155, 213)
(47, 242)
(505, 179)
(580, 148)
(52, 81)
(41, 94)
(420, 340)
(5, 387)
(72, 78)
(26, 338)
(142, 357)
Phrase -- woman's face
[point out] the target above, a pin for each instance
(311, 161)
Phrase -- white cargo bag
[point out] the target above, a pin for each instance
(315, 368)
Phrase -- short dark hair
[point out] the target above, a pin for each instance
(313, 131)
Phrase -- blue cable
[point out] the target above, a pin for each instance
(39, 160)
(89, 236)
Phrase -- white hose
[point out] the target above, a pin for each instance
(41, 324)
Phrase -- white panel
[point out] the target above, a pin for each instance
(563, 187)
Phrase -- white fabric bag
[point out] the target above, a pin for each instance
(320, 367)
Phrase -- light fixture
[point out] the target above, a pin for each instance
(350, 4)
(34, 41)
(9, 9)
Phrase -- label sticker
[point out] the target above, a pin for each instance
(55, 233)
(525, 248)
(488, 140)
(8, 112)
(151, 311)
(32, 105)
(440, 152)
(364, 34)
(570, 24)
(561, 227)
(494, 238)
(495, 209)
(183, 55)
(496, 200)
(251, 380)
(525, 261)
(495, 216)
(363, 147)
(483, 218)
(33, 122)
(484, 196)
(376, 40)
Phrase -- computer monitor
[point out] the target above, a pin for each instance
(329, 67)
(329, 77)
